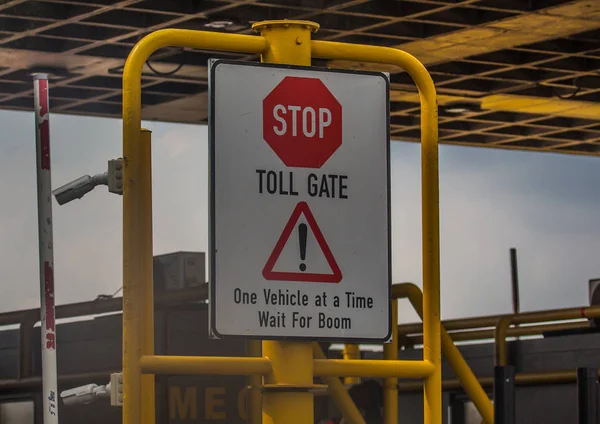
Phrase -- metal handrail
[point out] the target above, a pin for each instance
(492, 320)
(485, 334)
(29, 317)
(521, 379)
(105, 305)
(468, 380)
(505, 322)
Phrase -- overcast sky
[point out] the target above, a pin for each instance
(545, 205)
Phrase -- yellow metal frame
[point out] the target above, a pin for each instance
(287, 367)
(523, 317)
(466, 377)
(390, 384)
(352, 351)
(530, 330)
(504, 323)
(521, 379)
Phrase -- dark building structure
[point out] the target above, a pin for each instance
(89, 350)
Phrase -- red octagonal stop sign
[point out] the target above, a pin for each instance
(302, 122)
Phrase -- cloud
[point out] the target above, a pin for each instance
(176, 141)
(491, 201)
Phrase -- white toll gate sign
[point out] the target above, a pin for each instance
(299, 203)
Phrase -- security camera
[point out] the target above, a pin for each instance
(84, 395)
(113, 178)
(78, 395)
(79, 188)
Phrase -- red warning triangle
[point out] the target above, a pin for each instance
(269, 274)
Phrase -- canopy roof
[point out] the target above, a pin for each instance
(515, 74)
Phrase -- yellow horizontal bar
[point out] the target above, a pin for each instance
(195, 40)
(372, 368)
(214, 365)
(222, 365)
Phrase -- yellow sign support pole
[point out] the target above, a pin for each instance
(351, 351)
(147, 289)
(287, 367)
(287, 391)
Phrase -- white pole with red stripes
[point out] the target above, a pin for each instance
(44, 196)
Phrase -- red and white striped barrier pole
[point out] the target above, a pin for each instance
(44, 195)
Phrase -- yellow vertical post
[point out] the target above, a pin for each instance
(390, 385)
(137, 222)
(147, 381)
(287, 398)
(137, 211)
(430, 194)
(351, 351)
(254, 399)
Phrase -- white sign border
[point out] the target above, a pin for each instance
(212, 277)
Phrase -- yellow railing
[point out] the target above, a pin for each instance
(505, 322)
(464, 327)
(466, 377)
(287, 367)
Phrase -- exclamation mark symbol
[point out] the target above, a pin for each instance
(302, 238)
